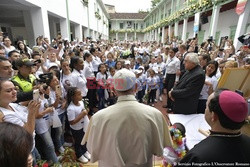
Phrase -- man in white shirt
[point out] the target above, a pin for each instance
(7, 45)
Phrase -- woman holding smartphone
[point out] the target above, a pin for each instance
(15, 113)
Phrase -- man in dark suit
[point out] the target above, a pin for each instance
(187, 91)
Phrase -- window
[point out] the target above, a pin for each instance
(141, 25)
(217, 36)
(232, 32)
(121, 25)
(187, 35)
(129, 24)
(169, 12)
(136, 26)
(201, 36)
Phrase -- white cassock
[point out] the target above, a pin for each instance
(127, 134)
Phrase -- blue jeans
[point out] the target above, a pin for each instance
(61, 117)
(78, 135)
(161, 86)
(48, 149)
(35, 155)
(56, 134)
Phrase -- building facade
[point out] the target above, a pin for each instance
(182, 19)
(28, 19)
(127, 26)
(185, 19)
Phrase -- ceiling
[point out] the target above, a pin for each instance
(11, 13)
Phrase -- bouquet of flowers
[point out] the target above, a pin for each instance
(172, 155)
(86, 103)
(146, 96)
(126, 53)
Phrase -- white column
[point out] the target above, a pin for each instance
(214, 21)
(169, 32)
(242, 22)
(126, 36)
(40, 22)
(172, 6)
(93, 34)
(159, 35)
(64, 28)
(184, 30)
(163, 35)
(176, 24)
(196, 22)
(150, 36)
(156, 34)
(116, 36)
(78, 32)
(135, 35)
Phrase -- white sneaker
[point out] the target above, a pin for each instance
(87, 155)
(61, 149)
(160, 98)
(155, 100)
(153, 105)
(83, 159)
(66, 144)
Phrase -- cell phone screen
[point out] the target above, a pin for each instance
(36, 95)
(59, 90)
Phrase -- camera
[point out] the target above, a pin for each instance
(226, 37)
(37, 61)
(210, 39)
(45, 78)
(40, 37)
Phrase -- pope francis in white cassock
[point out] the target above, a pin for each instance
(127, 133)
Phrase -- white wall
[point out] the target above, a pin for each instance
(227, 19)
(77, 12)
(190, 29)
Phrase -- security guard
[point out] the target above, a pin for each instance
(24, 80)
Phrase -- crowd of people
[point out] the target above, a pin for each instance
(53, 88)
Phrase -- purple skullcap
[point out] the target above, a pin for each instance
(233, 106)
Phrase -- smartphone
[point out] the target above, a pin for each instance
(36, 95)
(58, 90)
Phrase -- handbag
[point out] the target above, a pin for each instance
(56, 122)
